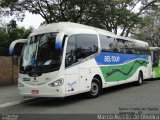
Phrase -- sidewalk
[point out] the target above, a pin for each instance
(9, 94)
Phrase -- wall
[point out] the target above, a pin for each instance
(8, 70)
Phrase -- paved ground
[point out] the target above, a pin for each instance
(9, 94)
(119, 99)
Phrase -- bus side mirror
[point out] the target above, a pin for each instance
(16, 47)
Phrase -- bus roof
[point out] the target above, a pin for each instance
(69, 27)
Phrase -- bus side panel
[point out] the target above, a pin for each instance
(72, 80)
(156, 63)
(119, 67)
(156, 72)
(87, 70)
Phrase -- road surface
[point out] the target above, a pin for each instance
(119, 99)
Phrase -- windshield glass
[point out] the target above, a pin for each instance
(41, 54)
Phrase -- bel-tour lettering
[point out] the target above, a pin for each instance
(111, 58)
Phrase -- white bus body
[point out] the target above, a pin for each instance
(86, 60)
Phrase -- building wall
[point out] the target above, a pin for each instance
(8, 70)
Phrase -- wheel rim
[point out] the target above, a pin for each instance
(94, 89)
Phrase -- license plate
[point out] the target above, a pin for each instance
(35, 91)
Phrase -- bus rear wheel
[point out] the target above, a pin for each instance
(95, 88)
(140, 79)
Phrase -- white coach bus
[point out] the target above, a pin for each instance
(63, 59)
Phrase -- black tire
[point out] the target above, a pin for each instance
(139, 82)
(95, 88)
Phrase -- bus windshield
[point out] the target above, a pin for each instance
(41, 54)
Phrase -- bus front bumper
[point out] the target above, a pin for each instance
(44, 91)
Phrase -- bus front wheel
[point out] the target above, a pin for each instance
(95, 88)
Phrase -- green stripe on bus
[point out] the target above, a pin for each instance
(156, 71)
(121, 72)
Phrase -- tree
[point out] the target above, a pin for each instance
(117, 14)
(106, 14)
(9, 33)
(7, 8)
(150, 30)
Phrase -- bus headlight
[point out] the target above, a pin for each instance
(57, 83)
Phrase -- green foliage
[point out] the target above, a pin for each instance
(9, 8)
(106, 14)
(149, 31)
(9, 33)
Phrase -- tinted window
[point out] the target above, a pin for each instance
(70, 51)
(86, 45)
(129, 50)
(123, 46)
(107, 43)
(80, 46)
(41, 54)
(156, 56)
(137, 51)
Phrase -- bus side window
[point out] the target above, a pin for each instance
(155, 59)
(86, 45)
(129, 51)
(107, 43)
(70, 52)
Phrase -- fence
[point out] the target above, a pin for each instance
(8, 70)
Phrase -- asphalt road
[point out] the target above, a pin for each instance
(119, 99)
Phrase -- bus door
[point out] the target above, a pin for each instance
(87, 49)
(71, 67)
(84, 74)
